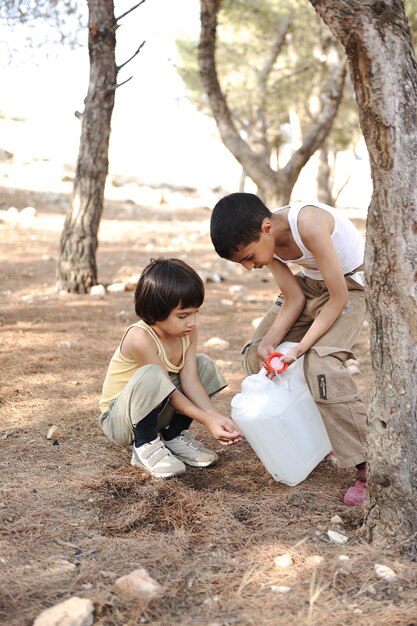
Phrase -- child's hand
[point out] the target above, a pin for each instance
(263, 354)
(224, 430)
(291, 356)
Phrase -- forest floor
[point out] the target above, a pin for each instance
(76, 516)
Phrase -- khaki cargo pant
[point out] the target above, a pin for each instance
(330, 382)
(149, 388)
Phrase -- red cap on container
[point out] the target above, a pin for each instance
(270, 366)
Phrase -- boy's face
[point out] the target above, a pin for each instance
(257, 253)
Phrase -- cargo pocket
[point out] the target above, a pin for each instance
(328, 377)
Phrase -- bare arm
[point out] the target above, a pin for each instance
(292, 306)
(315, 228)
(196, 403)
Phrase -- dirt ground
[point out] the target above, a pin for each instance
(75, 515)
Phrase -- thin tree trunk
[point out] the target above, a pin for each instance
(384, 73)
(324, 177)
(77, 269)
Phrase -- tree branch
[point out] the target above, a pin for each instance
(119, 67)
(129, 11)
(124, 82)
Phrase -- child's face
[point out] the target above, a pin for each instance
(257, 253)
(179, 323)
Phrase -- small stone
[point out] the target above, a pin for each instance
(138, 582)
(236, 289)
(336, 537)
(344, 558)
(53, 432)
(226, 302)
(214, 278)
(280, 588)
(61, 566)
(73, 612)
(336, 519)
(116, 288)
(67, 345)
(385, 572)
(284, 560)
(217, 343)
(98, 291)
(131, 282)
(316, 559)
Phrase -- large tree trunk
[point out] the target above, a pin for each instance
(77, 269)
(275, 187)
(383, 68)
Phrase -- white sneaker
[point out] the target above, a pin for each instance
(190, 451)
(155, 458)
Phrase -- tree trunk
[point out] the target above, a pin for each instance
(77, 269)
(324, 177)
(275, 187)
(377, 40)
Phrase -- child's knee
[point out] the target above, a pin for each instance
(209, 374)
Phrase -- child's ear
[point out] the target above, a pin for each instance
(266, 226)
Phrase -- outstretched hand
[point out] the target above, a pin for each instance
(225, 431)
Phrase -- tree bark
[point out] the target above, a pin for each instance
(377, 40)
(77, 269)
(275, 187)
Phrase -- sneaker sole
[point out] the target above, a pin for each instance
(195, 463)
(156, 474)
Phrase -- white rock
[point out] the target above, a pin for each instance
(336, 537)
(60, 566)
(214, 278)
(226, 302)
(256, 322)
(65, 344)
(131, 282)
(284, 560)
(73, 612)
(344, 558)
(149, 247)
(51, 432)
(217, 343)
(316, 559)
(116, 288)
(236, 289)
(280, 588)
(99, 291)
(336, 519)
(385, 572)
(138, 582)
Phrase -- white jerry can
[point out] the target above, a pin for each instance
(281, 422)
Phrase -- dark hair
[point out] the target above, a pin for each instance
(236, 221)
(165, 284)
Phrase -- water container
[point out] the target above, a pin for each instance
(281, 422)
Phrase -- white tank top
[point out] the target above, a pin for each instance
(347, 240)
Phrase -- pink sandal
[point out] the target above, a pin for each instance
(356, 495)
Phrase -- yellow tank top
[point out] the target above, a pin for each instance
(121, 369)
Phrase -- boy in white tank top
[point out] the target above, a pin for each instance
(321, 308)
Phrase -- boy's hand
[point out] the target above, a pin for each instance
(224, 430)
(263, 353)
(291, 356)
